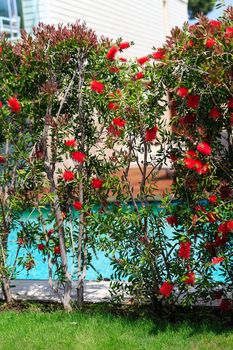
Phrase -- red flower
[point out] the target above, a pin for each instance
(112, 53)
(138, 76)
(124, 45)
(217, 260)
(189, 163)
(214, 112)
(0, 104)
(70, 143)
(151, 133)
(0, 50)
(119, 122)
(184, 251)
(166, 289)
(229, 225)
(96, 183)
(97, 86)
(68, 175)
(113, 106)
(193, 101)
(215, 24)
(230, 103)
(57, 249)
(182, 91)
(2, 160)
(229, 33)
(190, 43)
(114, 131)
(143, 60)
(50, 232)
(201, 169)
(78, 156)
(123, 59)
(190, 278)
(77, 205)
(172, 220)
(213, 199)
(41, 246)
(204, 148)
(14, 104)
(159, 55)
(210, 42)
(191, 153)
(225, 305)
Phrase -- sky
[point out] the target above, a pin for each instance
(216, 13)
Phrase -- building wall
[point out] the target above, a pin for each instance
(146, 22)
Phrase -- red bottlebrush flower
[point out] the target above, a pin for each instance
(114, 131)
(190, 43)
(151, 134)
(230, 103)
(190, 278)
(166, 289)
(50, 232)
(217, 260)
(119, 122)
(184, 251)
(113, 106)
(78, 156)
(182, 91)
(41, 246)
(96, 183)
(143, 60)
(97, 86)
(2, 160)
(159, 55)
(112, 53)
(68, 175)
(225, 305)
(229, 225)
(215, 24)
(123, 59)
(14, 104)
(0, 104)
(172, 220)
(138, 76)
(70, 143)
(204, 148)
(57, 249)
(213, 199)
(114, 70)
(20, 241)
(214, 113)
(210, 42)
(124, 45)
(0, 50)
(191, 153)
(201, 169)
(189, 163)
(77, 205)
(193, 101)
(229, 33)
(222, 228)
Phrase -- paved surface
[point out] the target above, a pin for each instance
(40, 290)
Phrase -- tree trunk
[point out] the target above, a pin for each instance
(6, 290)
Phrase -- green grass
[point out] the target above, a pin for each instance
(33, 329)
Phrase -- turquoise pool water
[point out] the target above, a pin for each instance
(100, 262)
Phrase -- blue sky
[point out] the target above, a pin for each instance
(216, 13)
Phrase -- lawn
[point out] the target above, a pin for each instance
(33, 329)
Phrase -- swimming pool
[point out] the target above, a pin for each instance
(100, 261)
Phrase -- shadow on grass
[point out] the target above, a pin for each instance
(196, 321)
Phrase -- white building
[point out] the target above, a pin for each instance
(146, 22)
